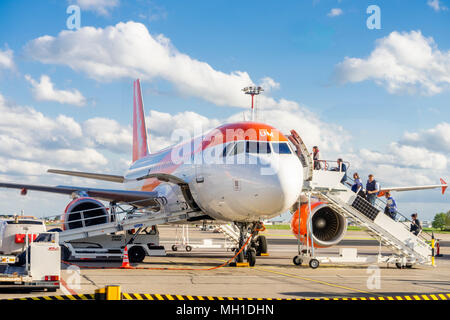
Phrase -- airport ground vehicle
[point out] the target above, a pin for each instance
(13, 230)
(141, 242)
(36, 268)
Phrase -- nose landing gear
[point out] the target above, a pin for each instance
(256, 245)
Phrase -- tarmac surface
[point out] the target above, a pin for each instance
(274, 276)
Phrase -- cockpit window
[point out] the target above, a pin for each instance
(281, 148)
(257, 147)
(227, 149)
(235, 148)
(238, 148)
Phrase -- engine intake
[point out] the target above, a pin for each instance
(328, 226)
(84, 211)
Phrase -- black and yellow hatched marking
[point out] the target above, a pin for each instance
(168, 297)
(60, 298)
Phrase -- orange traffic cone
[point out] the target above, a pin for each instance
(125, 261)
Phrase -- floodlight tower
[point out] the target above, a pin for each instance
(253, 91)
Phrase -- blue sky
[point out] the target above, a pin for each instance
(297, 44)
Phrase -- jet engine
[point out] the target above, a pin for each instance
(328, 226)
(84, 212)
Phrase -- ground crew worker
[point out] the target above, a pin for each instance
(372, 189)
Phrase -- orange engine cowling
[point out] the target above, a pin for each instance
(84, 211)
(328, 226)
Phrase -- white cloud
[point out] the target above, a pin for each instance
(331, 138)
(6, 59)
(335, 12)
(407, 156)
(108, 134)
(268, 84)
(436, 5)
(401, 62)
(436, 139)
(45, 91)
(418, 158)
(128, 50)
(102, 7)
(31, 142)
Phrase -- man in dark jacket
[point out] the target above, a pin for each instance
(416, 226)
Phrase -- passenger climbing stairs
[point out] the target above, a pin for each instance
(407, 247)
(326, 185)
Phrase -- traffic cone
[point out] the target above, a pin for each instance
(125, 261)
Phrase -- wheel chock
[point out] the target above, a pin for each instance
(242, 264)
(239, 264)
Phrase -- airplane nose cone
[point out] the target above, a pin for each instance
(282, 182)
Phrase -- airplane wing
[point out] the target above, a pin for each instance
(96, 176)
(138, 198)
(443, 186)
(164, 177)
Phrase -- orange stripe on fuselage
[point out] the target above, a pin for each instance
(238, 131)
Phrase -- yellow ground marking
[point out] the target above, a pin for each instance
(313, 280)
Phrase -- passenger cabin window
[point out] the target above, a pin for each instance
(281, 148)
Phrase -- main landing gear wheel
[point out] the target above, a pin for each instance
(251, 257)
(240, 257)
(174, 248)
(65, 253)
(297, 260)
(136, 254)
(188, 248)
(261, 245)
(313, 263)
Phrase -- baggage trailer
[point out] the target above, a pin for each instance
(37, 268)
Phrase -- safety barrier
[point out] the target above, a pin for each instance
(114, 293)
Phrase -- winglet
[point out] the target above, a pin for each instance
(140, 145)
(444, 185)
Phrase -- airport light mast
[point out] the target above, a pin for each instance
(253, 91)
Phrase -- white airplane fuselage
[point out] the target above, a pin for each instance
(257, 176)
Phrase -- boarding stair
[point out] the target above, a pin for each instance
(128, 219)
(394, 235)
(230, 233)
(327, 185)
